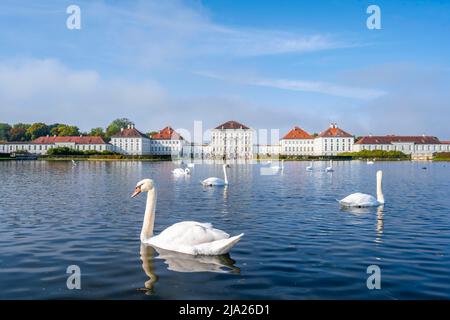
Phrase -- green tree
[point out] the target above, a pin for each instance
(19, 132)
(37, 130)
(151, 133)
(97, 132)
(116, 125)
(4, 131)
(65, 130)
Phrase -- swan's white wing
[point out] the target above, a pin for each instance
(187, 234)
(359, 200)
(213, 182)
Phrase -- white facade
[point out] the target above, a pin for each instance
(42, 145)
(297, 142)
(168, 142)
(265, 150)
(130, 141)
(413, 145)
(232, 140)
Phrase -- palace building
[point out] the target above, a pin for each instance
(297, 142)
(231, 140)
(131, 141)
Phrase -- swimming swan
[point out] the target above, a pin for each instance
(188, 237)
(330, 168)
(365, 200)
(213, 181)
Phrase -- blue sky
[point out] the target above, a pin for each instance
(269, 64)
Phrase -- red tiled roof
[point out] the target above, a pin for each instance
(232, 125)
(445, 142)
(130, 133)
(167, 134)
(393, 138)
(76, 140)
(297, 133)
(334, 131)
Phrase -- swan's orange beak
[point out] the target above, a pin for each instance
(136, 191)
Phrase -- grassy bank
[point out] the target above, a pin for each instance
(442, 156)
(379, 155)
(101, 157)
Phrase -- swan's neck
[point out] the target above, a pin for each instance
(380, 196)
(225, 174)
(149, 216)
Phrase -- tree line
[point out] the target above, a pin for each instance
(28, 132)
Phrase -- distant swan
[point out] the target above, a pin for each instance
(191, 165)
(188, 237)
(310, 167)
(330, 168)
(181, 172)
(365, 200)
(370, 162)
(213, 181)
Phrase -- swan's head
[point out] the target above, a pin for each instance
(143, 186)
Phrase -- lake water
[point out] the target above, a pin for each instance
(298, 243)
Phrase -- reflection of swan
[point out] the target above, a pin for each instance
(74, 163)
(213, 181)
(181, 172)
(330, 168)
(278, 168)
(380, 220)
(188, 237)
(310, 167)
(181, 262)
(147, 265)
(365, 200)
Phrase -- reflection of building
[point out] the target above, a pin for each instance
(417, 146)
(297, 142)
(333, 141)
(231, 140)
(168, 142)
(42, 144)
(131, 141)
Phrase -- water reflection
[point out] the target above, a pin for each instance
(380, 223)
(181, 262)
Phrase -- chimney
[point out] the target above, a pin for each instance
(121, 129)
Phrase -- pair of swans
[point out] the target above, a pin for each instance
(362, 200)
(189, 237)
(327, 169)
(214, 181)
(181, 172)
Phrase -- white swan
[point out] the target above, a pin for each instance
(310, 167)
(370, 162)
(191, 165)
(181, 172)
(213, 181)
(365, 200)
(188, 237)
(330, 168)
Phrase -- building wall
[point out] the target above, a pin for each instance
(232, 143)
(168, 147)
(42, 149)
(406, 147)
(131, 145)
(297, 147)
(332, 146)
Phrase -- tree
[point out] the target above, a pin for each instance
(97, 132)
(19, 132)
(37, 130)
(116, 125)
(151, 133)
(4, 131)
(65, 130)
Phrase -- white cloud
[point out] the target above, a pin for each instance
(303, 85)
